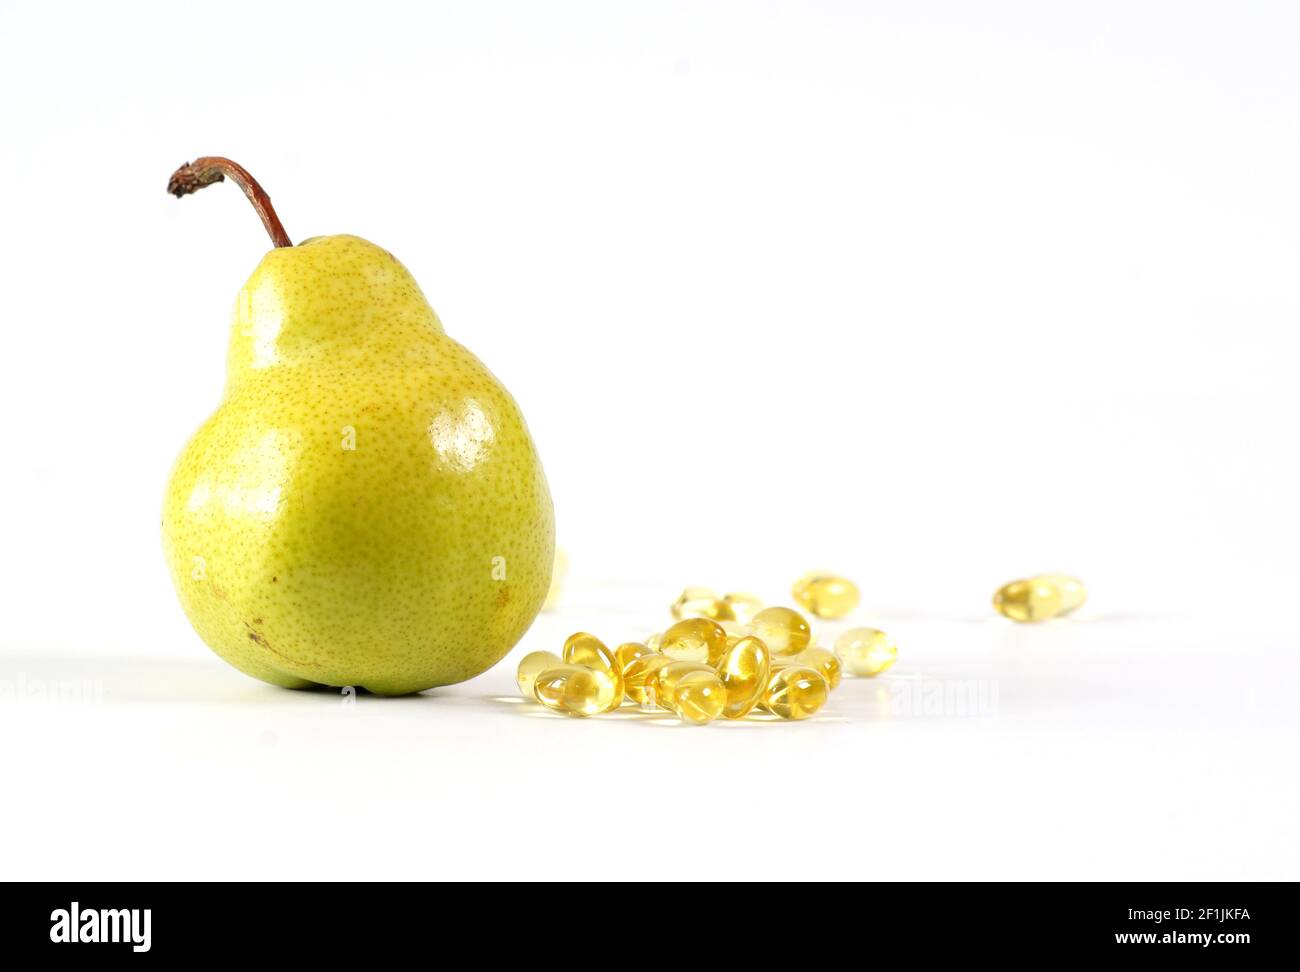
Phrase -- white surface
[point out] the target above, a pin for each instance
(930, 294)
(1105, 749)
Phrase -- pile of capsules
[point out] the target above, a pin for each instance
(726, 656)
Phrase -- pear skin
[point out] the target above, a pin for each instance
(366, 506)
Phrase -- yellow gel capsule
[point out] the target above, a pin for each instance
(1073, 593)
(866, 651)
(576, 690)
(639, 678)
(532, 665)
(697, 602)
(821, 660)
(581, 648)
(589, 651)
(653, 641)
(784, 631)
(795, 692)
(664, 681)
(740, 607)
(826, 595)
(1029, 600)
(744, 671)
(699, 697)
(625, 655)
(629, 651)
(695, 639)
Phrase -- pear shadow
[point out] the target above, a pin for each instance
(33, 677)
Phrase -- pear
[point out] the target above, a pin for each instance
(366, 506)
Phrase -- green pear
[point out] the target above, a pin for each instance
(366, 506)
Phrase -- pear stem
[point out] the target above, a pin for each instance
(193, 176)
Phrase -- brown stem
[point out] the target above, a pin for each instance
(193, 176)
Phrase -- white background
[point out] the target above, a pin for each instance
(935, 294)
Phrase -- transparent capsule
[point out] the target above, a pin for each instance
(532, 665)
(1028, 600)
(576, 690)
(795, 692)
(697, 602)
(582, 648)
(740, 608)
(588, 651)
(699, 697)
(663, 683)
(826, 595)
(629, 651)
(1073, 593)
(744, 671)
(866, 651)
(784, 631)
(695, 639)
(821, 660)
(638, 677)
(1039, 598)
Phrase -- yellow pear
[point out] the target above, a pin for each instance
(366, 506)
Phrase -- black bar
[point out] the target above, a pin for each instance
(1226, 922)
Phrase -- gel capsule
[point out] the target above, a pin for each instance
(697, 602)
(665, 679)
(866, 651)
(795, 692)
(581, 648)
(1073, 593)
(784, 631)
(699, 697)
(695, 639)
(821, 660)
(744, 671)
(639, 665)
(1039, 598)
(588, 651)
(629, 651)
(826, 595)
(576, 690)
(532, 665)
